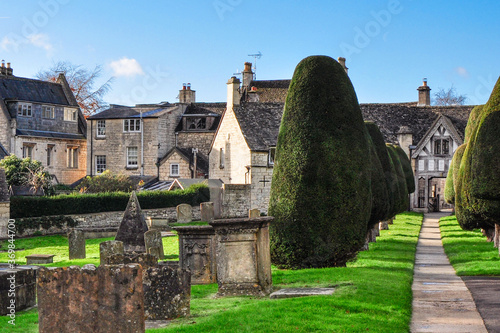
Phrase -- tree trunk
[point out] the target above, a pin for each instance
(391, 220)
(383, 225)
(489, 233)
(367, 241)
(497, 235)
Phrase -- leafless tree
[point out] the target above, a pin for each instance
(82, 82)
(445, 97)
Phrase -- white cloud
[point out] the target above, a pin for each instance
(7, 43)
(126, 67)
(462, 71)
(41, 41)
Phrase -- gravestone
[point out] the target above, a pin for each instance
(243, 256)
(207, 211)
(76, 240)
(197, 252)
(154, 243)
(17, 289)
(33, 259)
(133, 226)
(167, 292)
(184, 213)
(109, 248)
(253, 213)
(90, 299)
(144, 259)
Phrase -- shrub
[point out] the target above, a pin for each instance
(401, 199)
(105, 182)
(449, 189)
(104, 202)
(320, 193)
(407, 169)
(26, 172)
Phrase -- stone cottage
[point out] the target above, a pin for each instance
(42, 120)
(242, 151)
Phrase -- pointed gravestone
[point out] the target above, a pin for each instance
(133, 227)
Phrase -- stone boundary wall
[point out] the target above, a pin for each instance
(107, 220)
(236, 200)
(4, 218)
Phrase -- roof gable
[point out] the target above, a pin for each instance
(30, 90)
(446, 123)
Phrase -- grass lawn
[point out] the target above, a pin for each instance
(468, 251)
(373, 292)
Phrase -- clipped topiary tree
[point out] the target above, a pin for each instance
(449, 189)
(407, 169)
(401, 199)
(320, 193)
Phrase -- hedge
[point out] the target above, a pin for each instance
(104, 202)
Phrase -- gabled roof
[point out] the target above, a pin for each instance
(188, 156)
(184, 183)
(440, 121)
(260, 123)
(125, 112)
(205, 109)
(31, 90)
(271, 90)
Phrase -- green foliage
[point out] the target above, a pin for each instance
(44, 222)
(19, 172)
(104, 202)
(401, 198)
(106, 182)
(449, 189)
(473, 121)
(320, 194)
(407, 169)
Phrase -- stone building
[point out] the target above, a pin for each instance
(243, 149)
(155, 141)
(42, 120)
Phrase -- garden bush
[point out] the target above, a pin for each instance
(320, 193)
(401, 199)
(106, 182)
(407, 169)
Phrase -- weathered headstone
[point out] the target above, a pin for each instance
(154, 243)
(197, 252)
(4, 205)
(184, 213)
(133, 227)
(17, 289)
(76, 240)
(243, 256)
(144, 259)
(33, 259)
(89, 299)
(109, 248)
(167, 292)
(253, 213)
(207, 211)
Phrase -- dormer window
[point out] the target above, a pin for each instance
(70, 114)
(441, 147)
(24, 109)
(196, 123)
(48, 112)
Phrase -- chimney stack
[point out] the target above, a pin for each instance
(247, 74)
(233, 92)
(186, 95)
(5, 70)
(342, 63)
(424, 94)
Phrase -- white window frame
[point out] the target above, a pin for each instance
(70, 114)
(421, 165)
(72, 157)
(101, 129)
(131, 125)
(99, 163)
(431, 165)
(28, 149)
(173, 171)
(132, 158)
(25, 109)
(48, 112)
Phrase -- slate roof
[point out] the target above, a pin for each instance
(260, 123)
(201, 160)
(3, 152)
(123, 112)
(205, 108)
(48, 134)
(270, 91)
(24, 89)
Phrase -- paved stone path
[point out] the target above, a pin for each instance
(441, 301)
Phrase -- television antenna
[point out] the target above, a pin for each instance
(255, 57)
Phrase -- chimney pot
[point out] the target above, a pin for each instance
(425, 81)
(189, 86)
(8, 65)
(3, 63)
(248, 67)
(183, 86)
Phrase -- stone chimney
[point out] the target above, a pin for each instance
(405, 139)
(424, 94)
(342, 63)
(233, 92)
(6, 70)
(186, 95)
(247, 74)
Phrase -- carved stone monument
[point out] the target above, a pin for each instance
(133, 226)
(207, 211)
(184, 213)
(76, 240)
(197, 252)
(243, 256)
(109, 248)
(154, 243)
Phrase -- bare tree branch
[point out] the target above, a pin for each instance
(448, 97)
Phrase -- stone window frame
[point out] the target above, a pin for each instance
(101, 128)
(28, 149)
(129, 128)
(50, 151)
(100, 164)
(270, 156)
(132, 159)
(72, 155)
(174, 170)
(48, 112)
(196, 123)
(70, 114)
(25, 109)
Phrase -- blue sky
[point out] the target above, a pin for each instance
(152, 47)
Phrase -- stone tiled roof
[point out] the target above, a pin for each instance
(205, 108)
(122, 112)
(48, 134)
(271, 90)
(30, 90)
(201, 160)
(260, 123)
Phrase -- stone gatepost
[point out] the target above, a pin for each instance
(184, 213)
(207, 211)
(90, 299)
(109, 248)
(76, 241)
(197, 252)
(154, 243)
(4, 205)
(243, 256)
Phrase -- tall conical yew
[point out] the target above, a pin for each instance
(407, 169)
(320, 194)
(401, 201)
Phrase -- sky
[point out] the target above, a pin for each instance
(150, 48)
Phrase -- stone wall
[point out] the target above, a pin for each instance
(198, 139)
(261, 175)
(235, 200)
(175, 158)
(4, 205)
